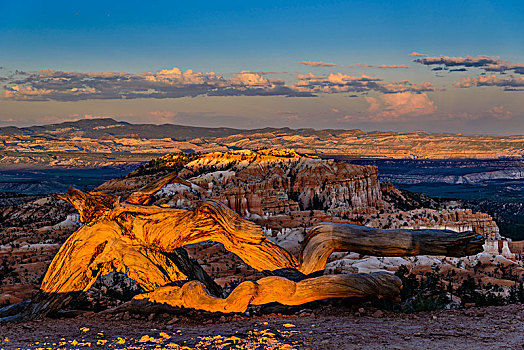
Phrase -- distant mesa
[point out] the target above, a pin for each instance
(33, 145)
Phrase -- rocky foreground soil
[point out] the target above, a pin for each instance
(341, 327)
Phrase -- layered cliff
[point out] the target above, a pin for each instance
(108, 142)
(283, 191)
(270, 182)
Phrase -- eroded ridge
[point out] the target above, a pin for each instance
(137, 239)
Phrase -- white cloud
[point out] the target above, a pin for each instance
(416, 54)
(509, 83)
(399, 106)
(340, 82)
(319, 64)
(499, 112)
(167, 83)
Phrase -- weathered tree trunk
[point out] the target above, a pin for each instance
(144, 242)
(325, 238)
(144, 195)
(278, 289)
(194, 271)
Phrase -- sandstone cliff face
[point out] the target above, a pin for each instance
(284, 192)
(270, 182)
(34, 145)
(459, 220)
(281, 189)
(480, 222)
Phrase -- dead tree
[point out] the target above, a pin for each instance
(139, 240)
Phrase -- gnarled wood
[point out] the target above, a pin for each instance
(96, 250)
(325, 238)
(139, 241)
(144, 195)
(90, 206)
(278, 289)
(165, 229)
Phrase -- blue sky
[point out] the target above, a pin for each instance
(271, 36)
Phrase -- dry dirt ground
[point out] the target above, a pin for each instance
(475, 328)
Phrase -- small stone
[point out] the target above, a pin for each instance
(378, 314)
(362, 310)
(417, 334)
(434, 317)
(175, 320)
(146, 338)
(151, 317)
(469, 305)
(165, 335)
(126, 316)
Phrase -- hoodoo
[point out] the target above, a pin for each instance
(138, 239)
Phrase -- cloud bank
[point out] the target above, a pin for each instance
(318, 64)
(55, 85)
(486, 63)
(357, 65)
(340, 82)
(510, 83)
(399, 106)
(499, 112)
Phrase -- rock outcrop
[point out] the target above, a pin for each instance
(96, 142)
(140, 240)
(283, 192)
(269, 182)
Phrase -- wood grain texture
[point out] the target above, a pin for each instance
(144, 242)
(144, 195)
(326, 238)
(278, 289)
(135, 239)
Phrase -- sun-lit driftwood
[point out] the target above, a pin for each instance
(144, 195)
(278, 289)
(135, 240)
(145, 243)
(325, 238)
